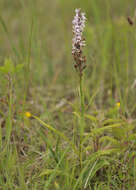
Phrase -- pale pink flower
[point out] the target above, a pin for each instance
(78, 26)
(78, 42)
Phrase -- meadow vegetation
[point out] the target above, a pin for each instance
(51, 138)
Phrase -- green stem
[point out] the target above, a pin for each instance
(82, 97)
(9, 118)
(82, 123)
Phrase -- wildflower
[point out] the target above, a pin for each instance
(28, 114)
(118, 104)
(56, 185)
(78, 42)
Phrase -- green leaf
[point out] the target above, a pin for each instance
(76, 114)
(110, 139)
(58, 133)
(95, 167)
(99, 131)
(91, 117)
(110, 121)
(8, 67)
(49, 171)
(19, 67)
(93, 160)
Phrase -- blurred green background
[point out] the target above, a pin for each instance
(40, 32)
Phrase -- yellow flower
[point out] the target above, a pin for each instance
(118, 104)
(56, 185)
(28, 114)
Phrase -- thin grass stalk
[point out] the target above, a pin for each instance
(28, 58)
(5, 29)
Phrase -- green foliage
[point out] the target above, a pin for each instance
(10, 68)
